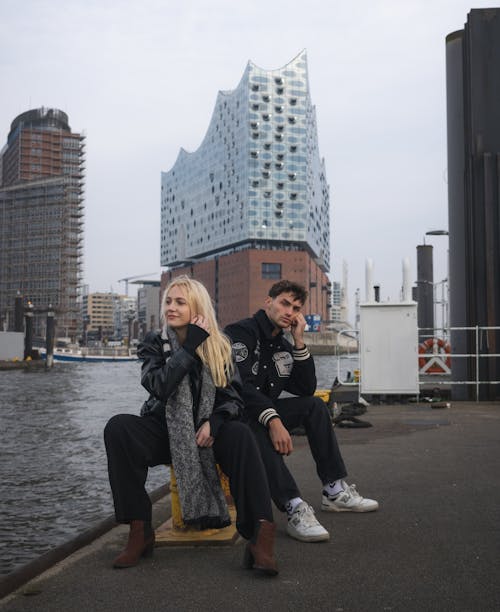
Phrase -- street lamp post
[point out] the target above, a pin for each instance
(444, 302)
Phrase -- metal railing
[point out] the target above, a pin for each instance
(440, 357)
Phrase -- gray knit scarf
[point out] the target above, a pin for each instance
(202, 500)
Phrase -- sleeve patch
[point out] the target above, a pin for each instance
(240, 351)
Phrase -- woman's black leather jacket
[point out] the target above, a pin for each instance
(161, 377)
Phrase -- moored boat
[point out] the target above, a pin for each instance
(94, 355)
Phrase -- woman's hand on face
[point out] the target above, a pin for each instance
(203, 437)
(201, 322)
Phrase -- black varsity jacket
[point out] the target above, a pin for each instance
(268, 365)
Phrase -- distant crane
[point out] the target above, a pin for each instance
(129, 278)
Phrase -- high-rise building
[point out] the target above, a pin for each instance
(251, 205)
(473, 94)
(99, 313)
(336, 302)
(41, 212)
(148, 306)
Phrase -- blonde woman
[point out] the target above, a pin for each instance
(191, 420)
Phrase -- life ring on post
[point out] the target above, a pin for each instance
(434, 356)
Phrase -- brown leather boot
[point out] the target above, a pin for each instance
(141, 540)
(260, 555)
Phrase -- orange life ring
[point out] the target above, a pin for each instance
(434, 347)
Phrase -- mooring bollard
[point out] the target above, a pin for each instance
(28, 334)
(49, 338)
(18, 313)
(176, 533)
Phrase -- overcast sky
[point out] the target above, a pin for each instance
(140, 79)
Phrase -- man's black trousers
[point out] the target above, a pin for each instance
(312, 414)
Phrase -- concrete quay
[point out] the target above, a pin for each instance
(432, 546)
(330, 343)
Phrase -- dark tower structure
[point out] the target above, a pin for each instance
(473, 116)
(425, 291)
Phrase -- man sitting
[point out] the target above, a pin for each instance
(268, 365)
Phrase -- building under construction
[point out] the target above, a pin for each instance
(41, 219)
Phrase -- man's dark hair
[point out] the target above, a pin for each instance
(285, 286)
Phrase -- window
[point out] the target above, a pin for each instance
(271, 271)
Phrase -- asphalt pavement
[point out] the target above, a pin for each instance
(432, 545)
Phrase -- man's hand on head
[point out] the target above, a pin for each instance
(297, 329)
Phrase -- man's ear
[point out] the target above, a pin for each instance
(268, 300)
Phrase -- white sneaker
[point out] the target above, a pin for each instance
(304, 526)
(347, 501)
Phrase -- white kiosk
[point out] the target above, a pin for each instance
(388, 341)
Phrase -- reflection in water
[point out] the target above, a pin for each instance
(53, 473)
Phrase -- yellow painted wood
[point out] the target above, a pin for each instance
(324, 394)
(175, 532)
(167, 535)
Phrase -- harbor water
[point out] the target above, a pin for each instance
(53, 474)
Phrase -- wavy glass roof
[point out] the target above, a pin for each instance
(256, 178)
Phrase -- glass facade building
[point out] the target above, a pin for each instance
(257, 180)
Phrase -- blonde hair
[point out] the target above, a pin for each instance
(215, 352)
